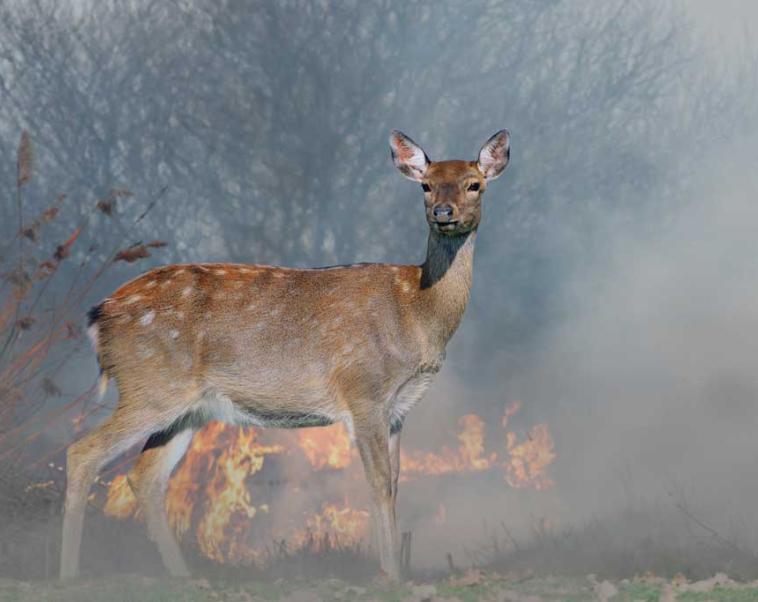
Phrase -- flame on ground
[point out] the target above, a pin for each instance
(468, 457)
(221, 529)
(334, 526)
(527, 462)
(210, 487)
(120, 502)
(326, 447)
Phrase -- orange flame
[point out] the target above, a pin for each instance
(220, 529)
(468, 457)
(120, 502)
(326, 447)
(528, 461)
(335, 525)
(210, 487)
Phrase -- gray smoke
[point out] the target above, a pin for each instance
(615, 287)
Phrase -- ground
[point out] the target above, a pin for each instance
(472, 586)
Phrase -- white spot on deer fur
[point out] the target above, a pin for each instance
(220, 272)
(187, 290)
(174, 333)
(150, 284)
(180, 271)
(394, 268)
(133, 299)
(278, 274)
(406, 287)
(147, 318)
(167, 282)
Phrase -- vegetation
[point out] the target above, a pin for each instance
(472, 587)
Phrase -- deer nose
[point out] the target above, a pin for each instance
(443, 212)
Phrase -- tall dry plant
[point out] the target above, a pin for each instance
(44, 291)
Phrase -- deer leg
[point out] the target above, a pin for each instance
(373, 445)
(84, 458)
(149, 481)
(394, 449)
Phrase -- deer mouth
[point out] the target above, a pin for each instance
(446, 226)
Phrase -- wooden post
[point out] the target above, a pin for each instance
(405, 554)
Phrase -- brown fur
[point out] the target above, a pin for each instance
(255, 344)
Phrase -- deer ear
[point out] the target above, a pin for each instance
(408, 156)
(494, 156)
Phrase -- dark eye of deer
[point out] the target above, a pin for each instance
(473, 187)
(426, 188)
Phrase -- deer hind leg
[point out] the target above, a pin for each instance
(149, 481)
(85, 458)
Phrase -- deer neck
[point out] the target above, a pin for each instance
(446, 282)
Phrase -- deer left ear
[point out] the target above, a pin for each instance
(495, 154)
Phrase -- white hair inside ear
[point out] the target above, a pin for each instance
(495, 154)
(408, 156)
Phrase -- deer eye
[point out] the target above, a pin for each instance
(426, 188)
(473, 187)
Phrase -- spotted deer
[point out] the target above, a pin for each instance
(279, 347)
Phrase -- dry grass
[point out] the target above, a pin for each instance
(45, 286)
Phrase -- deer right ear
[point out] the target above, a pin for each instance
(408, 156)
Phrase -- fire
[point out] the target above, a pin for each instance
(326, 447)
(209, 495)
(335, 525)
(120, 502)
(468, 457)
(230, 506)
(528, 461)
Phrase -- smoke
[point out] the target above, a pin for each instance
(653, 366)
(615, 286)
(648, 381)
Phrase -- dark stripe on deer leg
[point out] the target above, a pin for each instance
(160, 438)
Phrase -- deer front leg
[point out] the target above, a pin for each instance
(372, 441)
(394, 450)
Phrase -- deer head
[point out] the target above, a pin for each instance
(452, 189)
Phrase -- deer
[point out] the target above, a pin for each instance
(267, 346)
